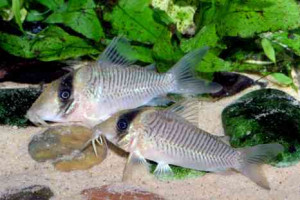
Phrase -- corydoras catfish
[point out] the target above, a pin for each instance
(97, 90)
(169, 137)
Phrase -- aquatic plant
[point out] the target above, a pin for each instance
(256, 36)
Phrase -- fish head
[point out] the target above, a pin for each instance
(55, 102)
(119, 128)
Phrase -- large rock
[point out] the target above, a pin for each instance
(14, 104)
(265, 116)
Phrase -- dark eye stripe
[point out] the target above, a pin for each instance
(66, 85)
(128, 118)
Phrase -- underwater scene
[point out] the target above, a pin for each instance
(149, 99)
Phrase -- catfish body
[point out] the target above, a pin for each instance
(171, 137)
(97, 90)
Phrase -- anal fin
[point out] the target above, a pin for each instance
(255, 173)
(163, 170)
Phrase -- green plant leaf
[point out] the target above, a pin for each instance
(4, 3)
(268, 49)
(282, 78)
(143, 54)
(182, 13)
(165, 52)
(135, 20)
(34, 16)
(51, 44)
(288, 40)
(212, 63)
(161, 17)
(246, 18)
(16, 8)
(207, 36)
(15, 45)
(51, 4)
(80, 16)
(163, 48)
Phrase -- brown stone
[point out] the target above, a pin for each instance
(63, 146)
(119, 191)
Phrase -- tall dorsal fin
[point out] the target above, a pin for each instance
(118, 53)
(187, 109)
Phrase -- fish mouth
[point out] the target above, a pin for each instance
(36, 119)
(96, 139)
(39, 121)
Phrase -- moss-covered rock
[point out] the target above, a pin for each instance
(14, 104)
(265, 116)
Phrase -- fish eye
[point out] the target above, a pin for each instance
(122, 124)
(65, 94)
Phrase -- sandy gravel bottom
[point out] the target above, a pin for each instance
(17, 169)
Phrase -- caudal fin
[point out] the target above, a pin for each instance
(252, 157)
(186, 80)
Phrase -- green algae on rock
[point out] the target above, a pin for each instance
(14, 104)
(62, 146)
(265, 116)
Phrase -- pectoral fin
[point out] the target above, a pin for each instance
(134, 162)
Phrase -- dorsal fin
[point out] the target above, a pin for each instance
(225, 139)
(118, 53)
(187, 109)
(151, 67)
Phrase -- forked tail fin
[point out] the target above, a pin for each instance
(186, 80)
(252, 157)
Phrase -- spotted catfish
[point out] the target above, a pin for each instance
(95, 91)
(172, 136)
